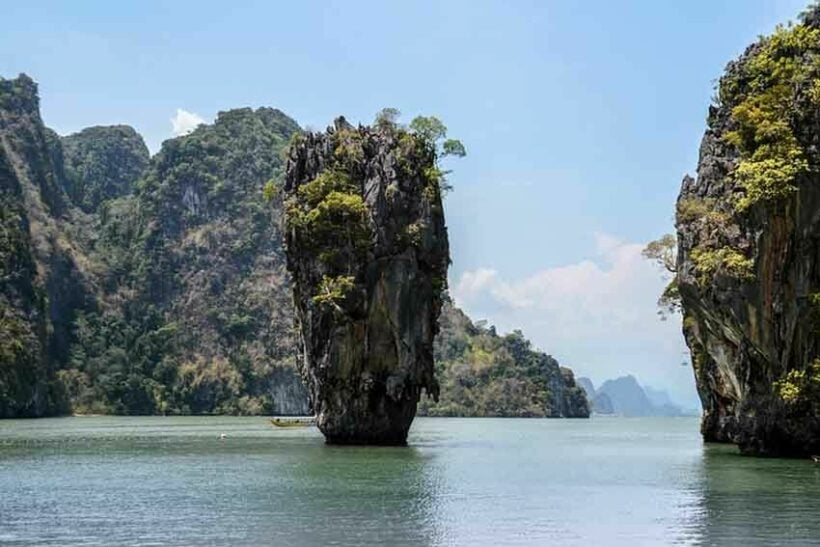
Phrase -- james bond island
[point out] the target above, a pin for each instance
(367, 248)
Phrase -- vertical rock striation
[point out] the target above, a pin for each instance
(749, 249)
(24, 373)
(368, 253)
(42, 283)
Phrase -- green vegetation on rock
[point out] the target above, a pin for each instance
(725, 260)
(367, 250)
(747, 263)
(801, 388)
(334, 290)
(762, 94)
(23, 374)
(202, 322)
(329, 217)
(663, 252)
(102, 163)
(484, 374)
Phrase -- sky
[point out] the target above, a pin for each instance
(579, 117)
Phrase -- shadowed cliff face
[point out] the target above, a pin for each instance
(24, 374)
(368, 253)
(749, 250)
(42, 283)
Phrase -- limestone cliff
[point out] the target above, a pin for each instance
(44, 280)
(24, 372)
(199, 318)
(368, 252)
(749, 249)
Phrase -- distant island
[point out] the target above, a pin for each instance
(624, 396)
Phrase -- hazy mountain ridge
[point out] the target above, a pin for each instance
(624, 396)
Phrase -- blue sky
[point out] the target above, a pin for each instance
(580, 118)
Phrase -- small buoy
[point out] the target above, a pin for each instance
(222, 436)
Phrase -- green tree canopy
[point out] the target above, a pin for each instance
(663, 251)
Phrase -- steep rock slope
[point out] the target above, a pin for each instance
(198, 319)
(749, 249)
(46, 279)
(368, 252)
(24, 373)
(599, 403)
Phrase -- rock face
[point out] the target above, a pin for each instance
(624, 396)
(43, 283)
(599, 402)
(24, 374)
(167, 296)
(195, 276)
(602, 404)
(368, 252)
(749, 250)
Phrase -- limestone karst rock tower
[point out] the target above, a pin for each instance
(368, 253)
(749, 249)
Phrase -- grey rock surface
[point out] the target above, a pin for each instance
(749, 332)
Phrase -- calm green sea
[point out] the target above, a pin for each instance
(605, 481)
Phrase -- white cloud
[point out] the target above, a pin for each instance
(598, 316)
(184, 122)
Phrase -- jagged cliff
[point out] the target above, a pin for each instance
(200, 319)
(368, 253)
(45, 280)
(136, 287)
(749, 249)
(24, 374)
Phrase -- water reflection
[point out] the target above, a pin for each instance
(755, 501)
(173, 482)
(353, 496)
(464, 482)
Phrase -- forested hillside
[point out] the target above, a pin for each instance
(143, 286)
(483, 374)
(200, 320)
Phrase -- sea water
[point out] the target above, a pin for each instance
(603, 481)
